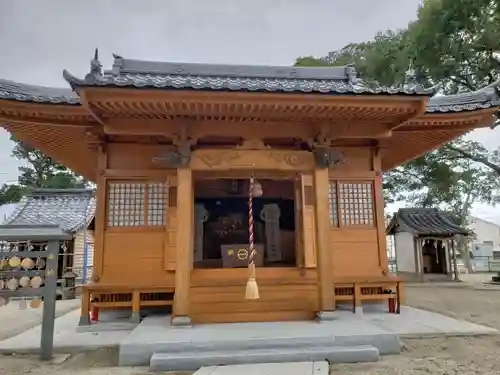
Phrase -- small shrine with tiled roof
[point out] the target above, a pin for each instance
(205, 170)
(424, 243)
(73, 211)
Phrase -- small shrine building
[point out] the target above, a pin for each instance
(172, 148)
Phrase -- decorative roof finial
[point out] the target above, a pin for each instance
(95, 73)
(411, 85)
(410, 75)
(351, 74)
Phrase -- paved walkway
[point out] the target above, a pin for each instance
(15, 321)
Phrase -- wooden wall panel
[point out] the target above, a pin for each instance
(285, 294)
(355, 252)
(356, 159)
(135, 258)
(134, 156)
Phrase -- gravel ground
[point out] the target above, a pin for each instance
(436, 356)
(444, 355)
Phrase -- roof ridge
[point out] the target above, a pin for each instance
(60, 191)
(122, 65)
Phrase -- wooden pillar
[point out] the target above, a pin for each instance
(85, 307)
(100, 223)
(100, 214)
(323, 252)
(378, 196)
(184, 244)
(420, 259)
(136, 306)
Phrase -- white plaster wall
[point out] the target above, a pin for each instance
(405, 253)
(485, 231)
(485, 242)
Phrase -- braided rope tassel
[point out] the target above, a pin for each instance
(252, 290)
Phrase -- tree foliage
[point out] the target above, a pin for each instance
(39, 171)
(455, 43)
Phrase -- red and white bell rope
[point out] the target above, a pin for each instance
(252, 290)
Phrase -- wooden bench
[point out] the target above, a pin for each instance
(119, 296)
(357, 290)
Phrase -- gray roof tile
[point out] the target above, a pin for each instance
(167, 75)
(71, 209)
(39, 94)
(424, 222)
(486, 97)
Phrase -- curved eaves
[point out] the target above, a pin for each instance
(10, 90)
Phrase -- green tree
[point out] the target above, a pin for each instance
(10, 193)
(455, 43)
(39, 171)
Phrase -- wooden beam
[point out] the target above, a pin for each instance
(98, 94)
(431, 128)
(245, 129)
(284, 160)
(150, 174)
(48, 122)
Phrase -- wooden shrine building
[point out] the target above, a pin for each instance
(172, 146)
(424, 243)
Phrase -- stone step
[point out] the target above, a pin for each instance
(386, 343)
(193, 360)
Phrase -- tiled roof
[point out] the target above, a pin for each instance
(340, 80)
(424, 221)
(167, 75)
(486, 97)
(28, 93)
(71, 209)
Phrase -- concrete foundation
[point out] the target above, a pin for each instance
(172, 348)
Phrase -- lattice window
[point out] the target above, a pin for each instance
(135, 204)
(355, 200)
(157, 199)
(334, 212)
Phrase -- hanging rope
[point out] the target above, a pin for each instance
(252, 289)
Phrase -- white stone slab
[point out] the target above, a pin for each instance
(291, 368)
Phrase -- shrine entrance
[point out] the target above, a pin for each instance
(221, 223)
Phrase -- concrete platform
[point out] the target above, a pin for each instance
(155, 335)
(292, 368)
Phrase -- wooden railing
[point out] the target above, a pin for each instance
(357, 290)
(105, 296)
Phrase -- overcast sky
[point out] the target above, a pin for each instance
(40, 38)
